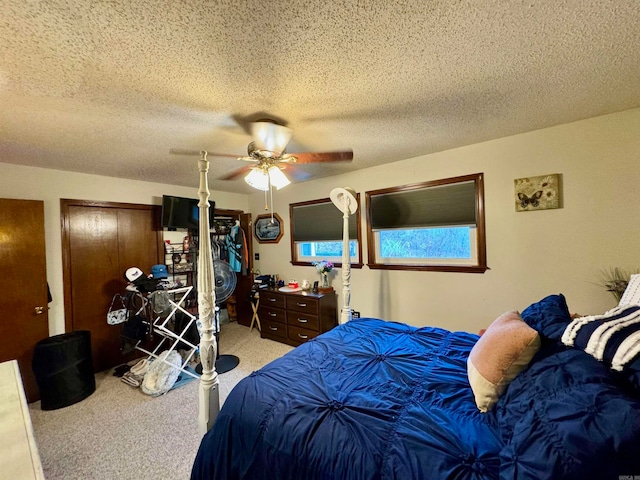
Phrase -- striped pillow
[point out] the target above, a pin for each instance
(612, 338)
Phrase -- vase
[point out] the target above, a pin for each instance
(325, 280)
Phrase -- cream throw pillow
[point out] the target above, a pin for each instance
(631, 295)
(503, 351)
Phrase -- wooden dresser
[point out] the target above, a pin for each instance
(296, 317)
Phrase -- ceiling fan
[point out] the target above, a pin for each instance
(269, 158)
(267, 154)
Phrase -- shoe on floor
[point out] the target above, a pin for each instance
(141, 367)
(130, 380)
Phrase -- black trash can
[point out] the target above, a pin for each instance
(63, 368)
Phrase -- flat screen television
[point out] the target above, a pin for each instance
(180, 212)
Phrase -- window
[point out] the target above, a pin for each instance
(316, 233)
(436, 225)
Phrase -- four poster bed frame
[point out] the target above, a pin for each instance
(209, 393)
(372, 399)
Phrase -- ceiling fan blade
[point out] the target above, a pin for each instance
(295, 174)
(317, 157)
(237, 173)
(184, 151)
(227, 155)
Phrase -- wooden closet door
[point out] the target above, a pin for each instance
(23, 304)
(100, 241)
(137, 240)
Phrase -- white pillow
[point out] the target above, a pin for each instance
(631, 295)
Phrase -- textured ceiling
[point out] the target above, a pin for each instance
(109, 86)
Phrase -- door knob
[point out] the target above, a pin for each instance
(39, 310)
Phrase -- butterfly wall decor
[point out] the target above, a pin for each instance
(537, 193)
(534, 201)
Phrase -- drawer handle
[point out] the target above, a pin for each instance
(303, 320)
(272, 299)
(275, 329)
(304, 337)
(302, 304)
(271, 314)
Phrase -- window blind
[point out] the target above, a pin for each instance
(320, 222)
(435, 206)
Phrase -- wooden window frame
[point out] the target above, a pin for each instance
(294, 257)
(481, 252)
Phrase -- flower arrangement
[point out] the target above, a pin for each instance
(323, 266)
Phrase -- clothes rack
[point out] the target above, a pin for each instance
(160, 325)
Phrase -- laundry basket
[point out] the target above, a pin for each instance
(63, 369)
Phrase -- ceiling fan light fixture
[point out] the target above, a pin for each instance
(271, 136)
(258, 178)
(277, 178)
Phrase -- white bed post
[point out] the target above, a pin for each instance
(209, 397)
(345, 200)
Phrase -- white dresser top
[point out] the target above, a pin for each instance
(19, 457)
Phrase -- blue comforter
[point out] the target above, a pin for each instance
(381, 400)
(367, 400)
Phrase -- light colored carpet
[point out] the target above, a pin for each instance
(121, 433)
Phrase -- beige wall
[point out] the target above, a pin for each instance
(530, 254)
(50, 186)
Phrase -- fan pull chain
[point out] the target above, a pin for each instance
(266, 205)
(271, 193)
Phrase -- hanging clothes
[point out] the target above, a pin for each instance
(245, 255)
(219, 248)
(237, 249)
(221, 245)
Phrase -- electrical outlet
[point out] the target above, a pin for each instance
(256, 256)
(355, 314)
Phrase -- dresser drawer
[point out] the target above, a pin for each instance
(273, 329)
(301, 335)
(303, 320)
(295, 317)
(271, 299)
(273, 314)
(301, 303)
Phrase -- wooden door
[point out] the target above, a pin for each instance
(243, 287)
(100, 241)
(24, 302)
